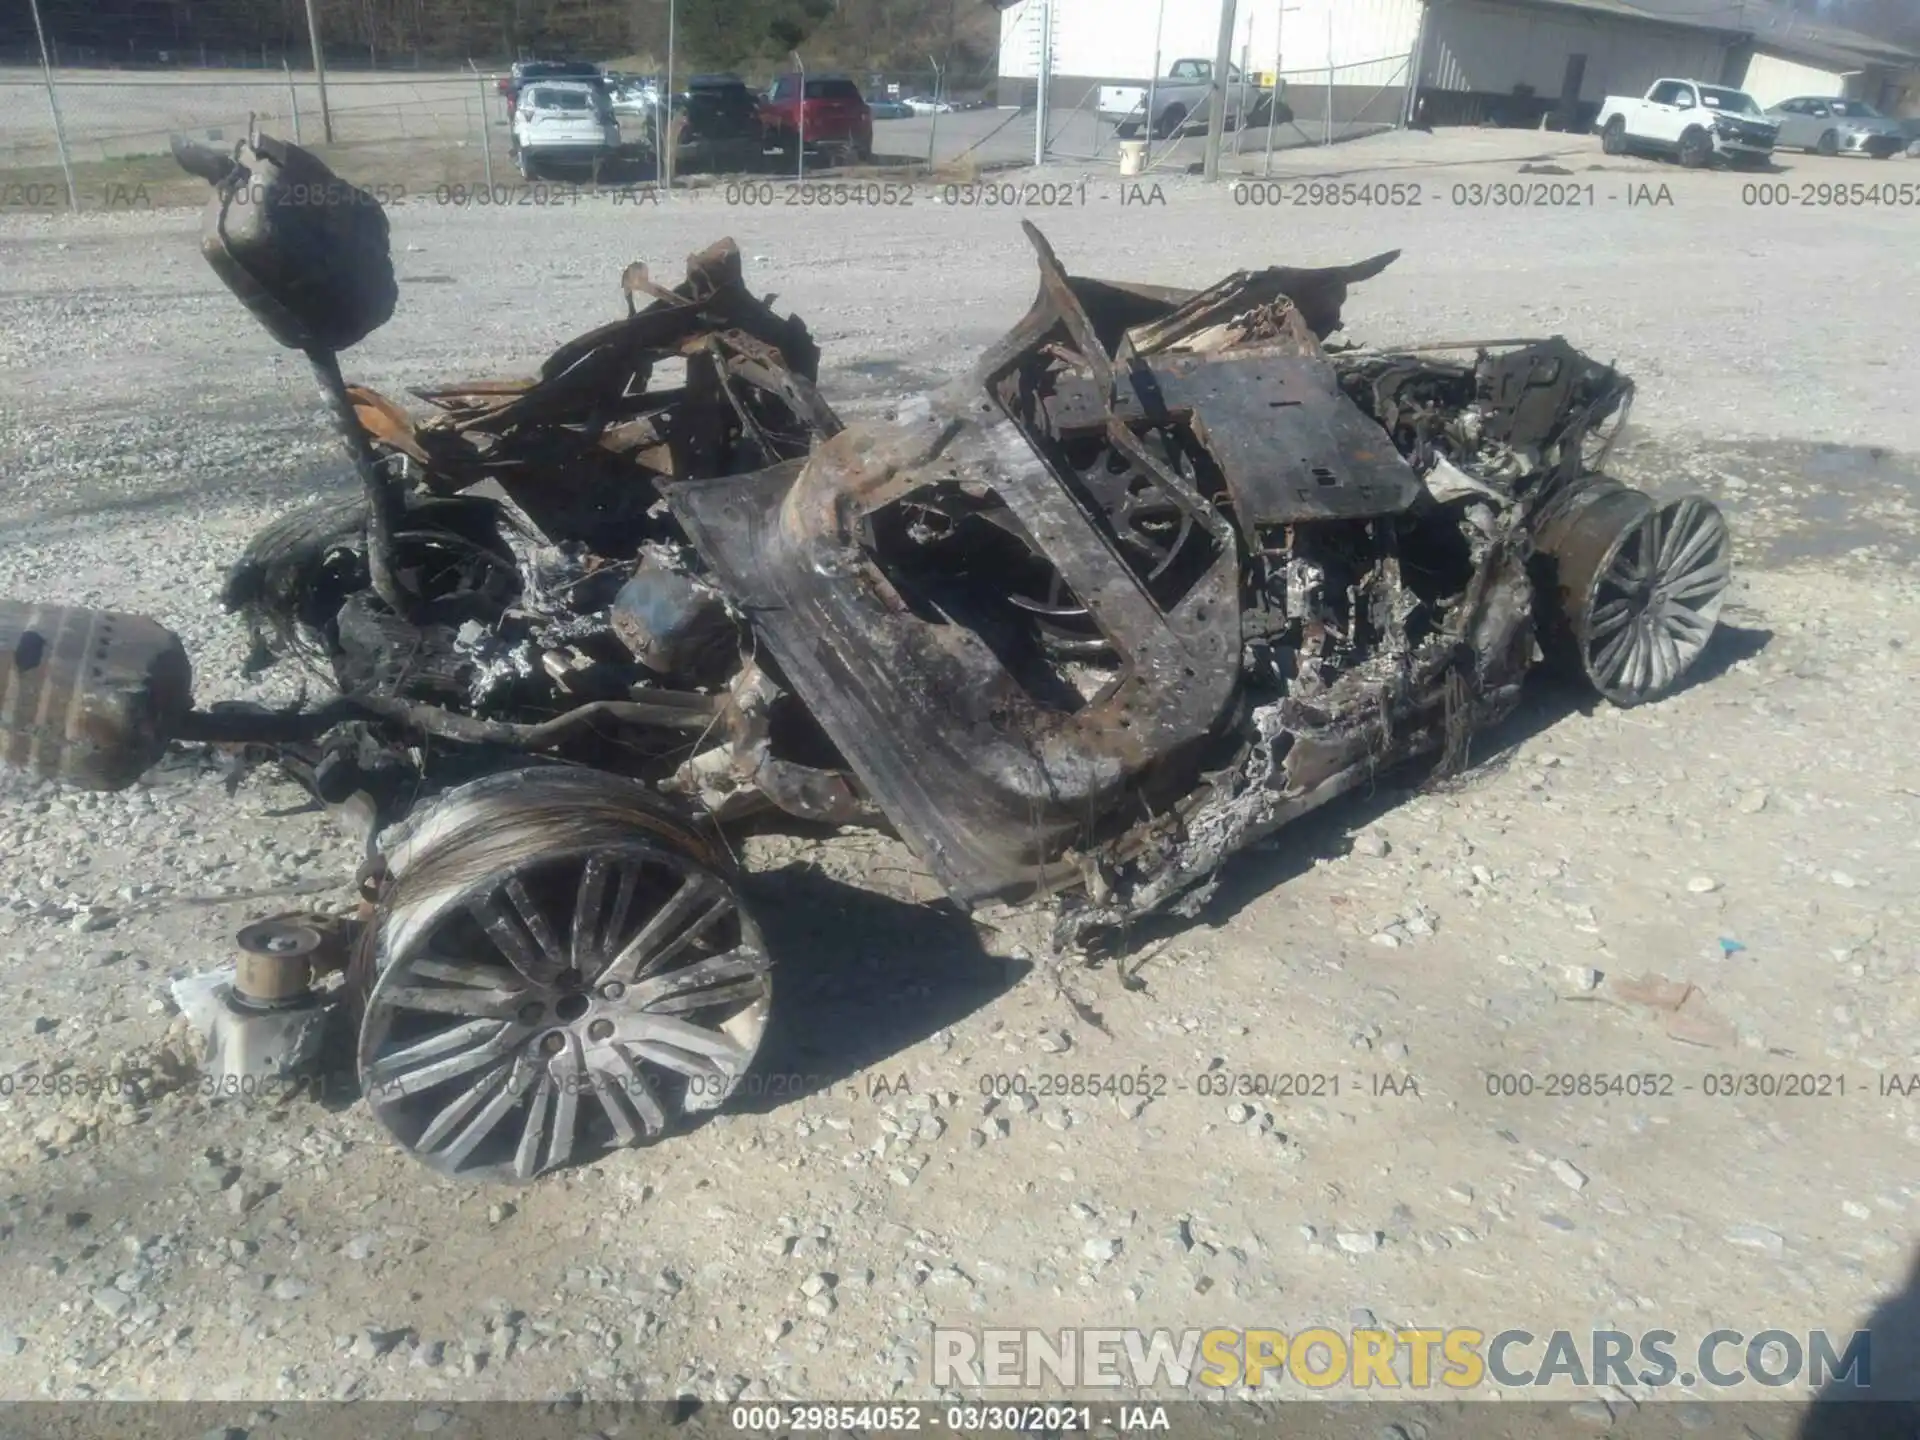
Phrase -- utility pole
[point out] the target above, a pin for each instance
(319, 71)
(1217, 92)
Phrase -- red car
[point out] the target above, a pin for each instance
(835, 114)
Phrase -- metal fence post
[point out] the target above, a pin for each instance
(939, 89)
(1217, 92)
(801, 147)
(319, 72)
(486, 137)
(53, 108)
(293, 102)
(1041, 97)
(668, 161)
(1240, 115)
(1329, 75)
(1153, 82)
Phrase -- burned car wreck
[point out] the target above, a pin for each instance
(1165, 571)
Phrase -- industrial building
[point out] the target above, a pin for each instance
(1510, 62)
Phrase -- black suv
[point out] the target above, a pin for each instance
(721, 117)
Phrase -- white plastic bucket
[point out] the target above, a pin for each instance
(1133, 156)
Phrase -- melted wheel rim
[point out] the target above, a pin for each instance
(1657, 601)
(559, 1007)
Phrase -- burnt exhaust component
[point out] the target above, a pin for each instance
(308, 254)
(89, 698)
(1166, 571)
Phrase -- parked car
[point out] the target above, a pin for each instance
(524, 72)
(1832, 126)
(927, 105)
(890, 110)
(563, 122)
(720, 125)
(831, 113)
(1690, 121)
(1183, 97)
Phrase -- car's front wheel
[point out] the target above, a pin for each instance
(1613, 139)
(1829, 144)
(1696, 150)
(1634, 588)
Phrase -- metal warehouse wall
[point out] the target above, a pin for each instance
(1491, 48)
(1370, 39)
(1773, 78)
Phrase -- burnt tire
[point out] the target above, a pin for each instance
(1636, 588)
(1696, 150)
(1613, 139)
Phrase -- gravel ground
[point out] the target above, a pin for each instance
(1753, 836)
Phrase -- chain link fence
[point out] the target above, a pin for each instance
(1322, 106)
(406, 130)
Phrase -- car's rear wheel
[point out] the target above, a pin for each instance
(1127, 129)
(1696, 150)
(523, 162)
(557, 966)
(1829, 144)
(1613, 139)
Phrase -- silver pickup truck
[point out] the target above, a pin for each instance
(1180, 99)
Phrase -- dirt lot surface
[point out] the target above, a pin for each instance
(1363, 984)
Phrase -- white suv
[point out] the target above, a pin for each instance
(563, 122)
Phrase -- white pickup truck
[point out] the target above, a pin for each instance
(1180, 99)
(1691, 121)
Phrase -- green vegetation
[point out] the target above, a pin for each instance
(712, 34)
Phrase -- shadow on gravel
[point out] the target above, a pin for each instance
(290, 486)
(1327, 833)
(862, 977)
(1884, 1402)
